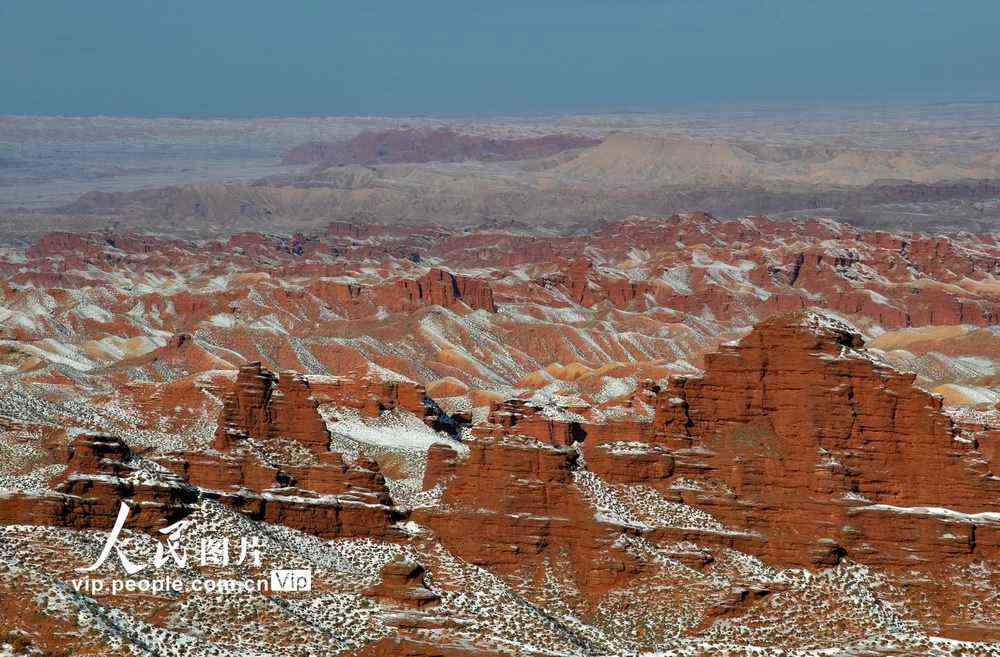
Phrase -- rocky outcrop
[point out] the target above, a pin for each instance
(325, 495)
(738, 600)
(403, 585)
(329, 476)
(520, 497)
(393, 646)
(331, 500)
(515, 417)
(263, 406)
(438, 287)
(587, 287)
(329, 517)
(827, 453)
(371, 397)
(322, 495)
(558, 425)
(796, 439)
(630, 462)
(100, 475)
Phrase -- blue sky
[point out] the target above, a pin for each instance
(300, 57)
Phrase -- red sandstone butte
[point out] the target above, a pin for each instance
(519, 496)
(262, 406)
(439, 287)
(87, 495)
(828, 453)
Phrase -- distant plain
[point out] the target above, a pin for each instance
(932, 167)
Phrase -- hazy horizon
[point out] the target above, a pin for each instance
(446, 58)
(746, 105)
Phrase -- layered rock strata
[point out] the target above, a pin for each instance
(319, 492)
(801, 445)
(827, 453)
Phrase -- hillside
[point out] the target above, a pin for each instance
(673, 436)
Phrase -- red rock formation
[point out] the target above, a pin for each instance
(337, 293)
(804, 447)
(95, 454)
(88, 493)
(403, 585)
(512, 478)
(393, 646)
(329, 497)
(737, 601)
(438, 287)
(514, 417)
(989, 445)
(263, 406)
(360, 481)
(587, 287)
(828, 453)
(521, 500)
(442, 464)
(372, 397)
(327, 517)
(630, 462)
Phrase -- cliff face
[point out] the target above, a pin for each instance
(319, 492)
(796, 446)
(263, 406)
(98, 476)
(512, 504)
(436, 287)
(801, 446)
(827, 453)
(441, 288)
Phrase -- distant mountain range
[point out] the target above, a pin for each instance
(440, 145)
(569, 182)
(555, 173)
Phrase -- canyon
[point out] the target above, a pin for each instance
(676, 435)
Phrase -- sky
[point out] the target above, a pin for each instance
(368, 57)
